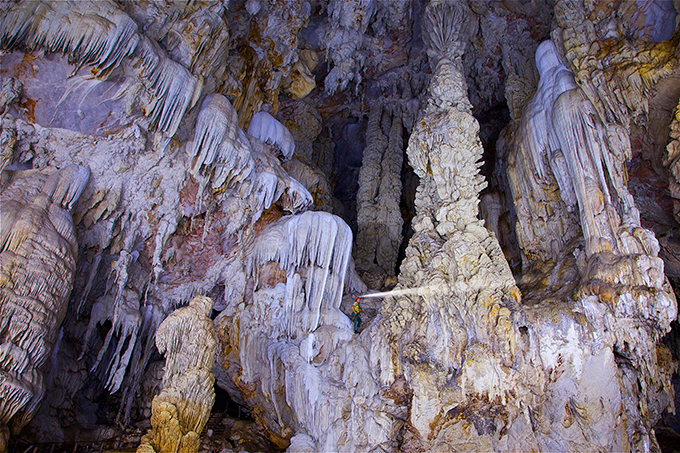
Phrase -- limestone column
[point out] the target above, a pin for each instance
(378, 213)
(465, 289)
(457, 327)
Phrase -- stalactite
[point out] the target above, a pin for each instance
(267, 129)
(102, 39)
(98, 34)
(9, 95)
(173, 87)
(225, 155)
(314, 180)
(292, 337)
(270, 42)
(220, 151)
(349, 21)
(272, 184)
(316, 240)
(176, 25)
(587, 159)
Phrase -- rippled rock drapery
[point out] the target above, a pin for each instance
(578, 223)
(38, 253)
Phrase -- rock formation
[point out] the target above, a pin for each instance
(672, 162)
(511, 166)
(38, 253)
(378, 216)
(181, 410)
(457, 334)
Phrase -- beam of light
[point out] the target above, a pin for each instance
(397, 292)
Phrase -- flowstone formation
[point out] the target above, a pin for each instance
(511, 166)
(38, 253)
(181, 410)
(294, 357)
(378, 216)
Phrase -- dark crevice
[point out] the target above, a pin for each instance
(227, 407)
(409, 183)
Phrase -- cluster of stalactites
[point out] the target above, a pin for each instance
(616, 59)
(90, 33)
(38, 252)
(447, 26)
(175, 25)
(227, 157)
(348, 23)
(313, 249)
(561, 131)
(99, 34)
(218, 146)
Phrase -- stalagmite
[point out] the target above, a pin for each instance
(451, 253)
(672, 161)
(38, 252)
(181, 410)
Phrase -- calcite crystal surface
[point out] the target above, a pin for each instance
(194, 195)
